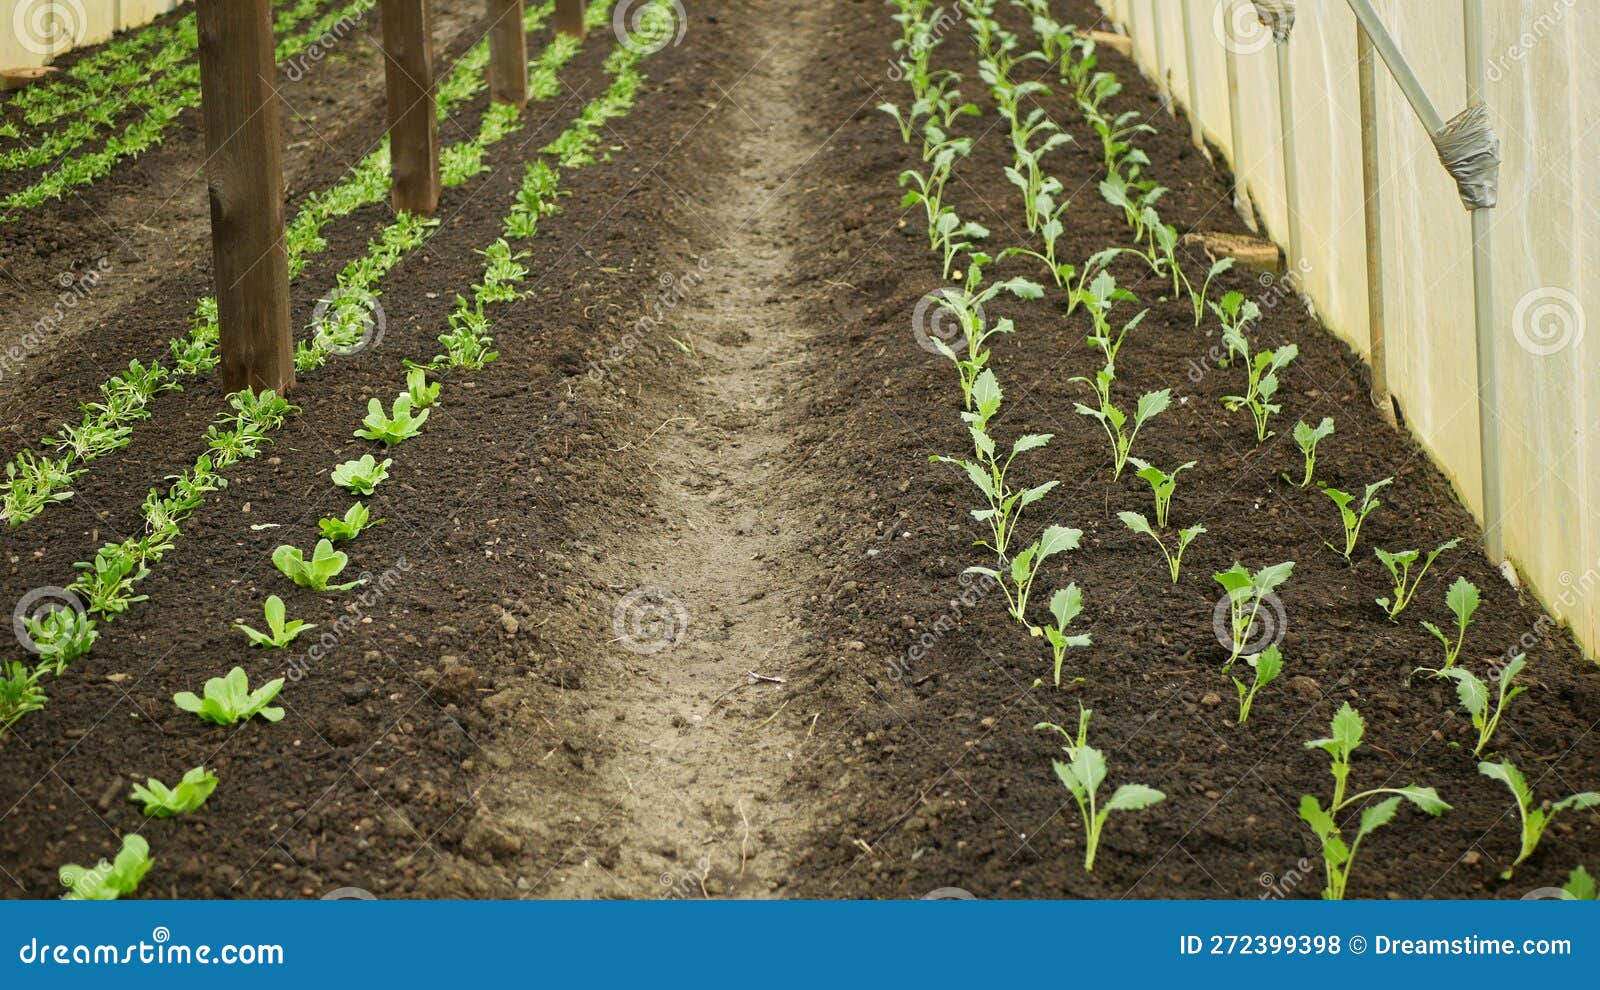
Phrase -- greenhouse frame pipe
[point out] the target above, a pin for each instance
(1367, 71)
(1399, 68)
(1483, 310)
(1291, 182)
(1241, 195)
(1195, 135)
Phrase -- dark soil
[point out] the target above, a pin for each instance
(463, 735)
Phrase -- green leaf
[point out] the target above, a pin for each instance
(1132, 797)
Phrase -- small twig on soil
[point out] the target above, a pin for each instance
(763, 677)
(652, 436)
(813, 724)
(744, 843)
(774, 715)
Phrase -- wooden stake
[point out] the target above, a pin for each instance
(508, 53)
(569, 17)
(413, 118)
(244, 177)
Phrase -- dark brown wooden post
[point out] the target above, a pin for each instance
(244, 176)
(413, 119)
(508, 53)
(569, 17)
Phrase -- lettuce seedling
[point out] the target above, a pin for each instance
(1307, 438)
(61, 636)
(1139, 524)
(1581, 886)
(1268, 665)
(1246, 593)
(1475, 698)
(1337, 856)
(1082, 775)
(325, 564)
(390, 430)
(1535, 819)
(423, 394)
(229, 699)
(1025, 567)
(161, 801)
(280, 633)
(1405, 586)
(1114, 421)
(1065, 605)
(1162, 485)
(1353, 518)
(109, 881)
(1462, 599)
(361, 476)
(357, 520)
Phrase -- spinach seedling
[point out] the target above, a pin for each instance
(279, 633)
(1475, 698)
(1535, 819)
(1065, 605)
(361, 476)
(1405, 586)
(1114, 421)
(1337, 856)
(1025, 567)
(161, 801)
(325, 564)
(357, 520)
(1462, 599)
(1268, 665)
(1082, 774)
(1246, 593)
(1353, 518)
(1307, 438)
(1162, 485)
(20, 693)
(1139, 524)
(390, 430)
(108, 881)
(61, 636)
(229, 699)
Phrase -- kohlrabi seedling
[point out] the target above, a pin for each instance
(357, 520)
(1475, 698)
(362, 475)
(1307, 438)
(1246, 594)
(229, 699)
(390, 430)
(1025, 566)
(1261, 383)
(1353, 518)
(1162, 485)
(1198, 297)
(1337, 856)
(1065, 605)
(1581, 886)
(325, 564)
(108, 881)
(1405, 584)
(1268, 665)
(1462, 599)
(161, 801)
(279, 633)
(1139, 524)
(1535, 819)
(1082, 775)
(1115, 422)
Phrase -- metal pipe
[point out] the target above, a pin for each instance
(1407, 80)
(1163, 82)
(1189, 59)
(1291, 181)
(1241, 195)
(1366, 62)
(1483, 311)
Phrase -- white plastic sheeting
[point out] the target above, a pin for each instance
(36, 32)
(1543, 83)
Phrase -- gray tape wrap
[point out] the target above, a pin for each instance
(1277, 15)
(1470, 151)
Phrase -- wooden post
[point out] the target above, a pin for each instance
(413, 118)
(244, 177)
(508, 53)
(569, 17)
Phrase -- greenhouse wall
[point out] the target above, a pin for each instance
(1541, 75)
(37, 32)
